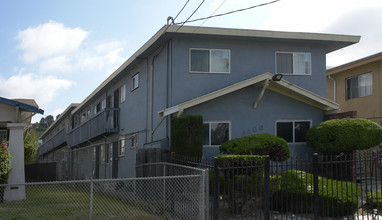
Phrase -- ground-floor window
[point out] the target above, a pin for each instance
(293, 131)
(216, 133)
(4, 134)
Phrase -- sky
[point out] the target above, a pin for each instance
(58, 52)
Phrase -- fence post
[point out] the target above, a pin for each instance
(91, 200)
(216, 190)
(267, 193)
(315, 187)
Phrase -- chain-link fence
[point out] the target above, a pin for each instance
(169, 196)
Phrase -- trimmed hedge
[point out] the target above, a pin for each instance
(344, 135)
(336, 198)
(374, 200)
(187, 135)
(258, 144)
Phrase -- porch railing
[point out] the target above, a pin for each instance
(103, 123)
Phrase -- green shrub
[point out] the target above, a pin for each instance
(258, 144)
(5, 162)
(5, 166)
(187, 135)
(336, 198)
(344, 135)
(374, 200)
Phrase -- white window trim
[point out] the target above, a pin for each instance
(132, 81)
(120, 154)
(209, 49)
(294, 74)
(209, 133)
(299, 120)
(352, 77)
(135, 143)
(122, 95)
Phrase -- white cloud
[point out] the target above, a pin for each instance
(49, 39)
(58, 64)
(32, 86)
(53, 49)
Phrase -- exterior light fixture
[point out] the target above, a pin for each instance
(277, 77)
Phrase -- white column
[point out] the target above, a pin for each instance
(17, 174)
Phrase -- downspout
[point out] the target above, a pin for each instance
(151, 100)
(334, 88)
(169, 85)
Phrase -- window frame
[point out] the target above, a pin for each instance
(210, 51)
(134, 141)
(122, 95)
(135, 78)
(358, 76)
(121, 153)
(293, 53)
(209, 131)
(293, 125)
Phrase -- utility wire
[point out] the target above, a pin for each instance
(182, 23)
(181, 10)
(227, 13)
(211, 14)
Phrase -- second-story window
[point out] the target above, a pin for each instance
(210, 61)
(135, 82)
(122, 90)
(293, 63)
(359, 86)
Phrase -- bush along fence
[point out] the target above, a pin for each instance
(311, 187)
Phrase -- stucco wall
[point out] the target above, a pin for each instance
(237, 108)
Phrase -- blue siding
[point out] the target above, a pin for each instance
(237, 108)
(248, 59)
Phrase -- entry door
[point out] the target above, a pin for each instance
(97, 156)
(115, 160)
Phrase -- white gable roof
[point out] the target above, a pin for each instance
(283, 87)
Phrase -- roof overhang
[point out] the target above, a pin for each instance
(363, 61)
(330, 42)
(282, 87)
(28, 105)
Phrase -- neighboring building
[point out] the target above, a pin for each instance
(356, 87)
(15, 116)
(55, 147)
(222, 74)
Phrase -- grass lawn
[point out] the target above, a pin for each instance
(73, 202)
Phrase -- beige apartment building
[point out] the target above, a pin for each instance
(356, 87)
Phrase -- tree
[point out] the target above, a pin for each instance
(30, 146)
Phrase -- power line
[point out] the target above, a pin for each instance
(182, 23)
(227, 13)
(181, 10)
(212, 13)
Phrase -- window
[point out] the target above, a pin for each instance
(103, 104)
(102, 154)
(134, 141)
(3, 134)
(121, 150)
(293, 63)
(216, 133)
(292, 131)
(135, 82)
(109, 153)
(123, 93)
(97, 108)
(210, 61)
(359, 86)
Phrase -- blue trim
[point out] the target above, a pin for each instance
(21, 105)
